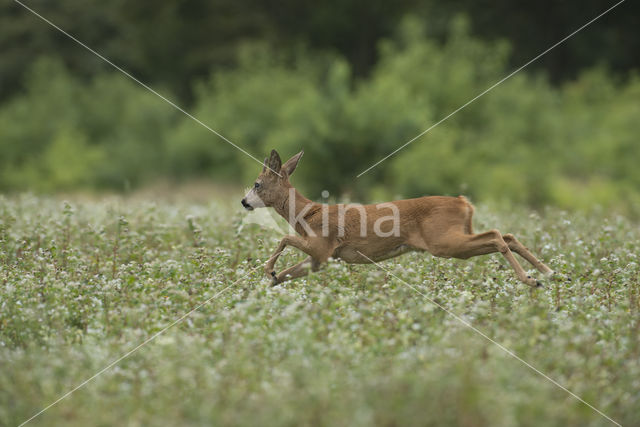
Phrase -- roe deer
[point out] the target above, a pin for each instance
(366, 233)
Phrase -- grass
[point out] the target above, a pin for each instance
(83, 283)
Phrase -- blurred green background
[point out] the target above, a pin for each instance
(347, 81)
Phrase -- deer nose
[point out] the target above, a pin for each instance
(245, 204)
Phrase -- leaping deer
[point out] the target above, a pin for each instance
(369, 233)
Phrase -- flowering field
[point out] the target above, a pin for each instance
(84, 283)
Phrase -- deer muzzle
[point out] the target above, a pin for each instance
(246, 205)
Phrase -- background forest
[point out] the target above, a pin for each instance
(347, 81)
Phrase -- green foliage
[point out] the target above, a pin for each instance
(525, 141)
(67, 134)
(171, 43)
(83, 283)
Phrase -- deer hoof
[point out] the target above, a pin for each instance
(532, 282)
(268, 270)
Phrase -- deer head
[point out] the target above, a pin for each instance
(271, 188)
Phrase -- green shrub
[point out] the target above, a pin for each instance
(525, 141)
(64, 133)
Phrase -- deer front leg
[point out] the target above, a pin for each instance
(298, 270)
(295, 241)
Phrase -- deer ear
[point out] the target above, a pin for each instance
(274, 162)
(264, 165)
(291, 164)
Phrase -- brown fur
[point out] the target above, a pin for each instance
(439, 225)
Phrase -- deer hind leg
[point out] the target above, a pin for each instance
(469, 245)
(524, 252)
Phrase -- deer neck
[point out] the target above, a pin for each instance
(294, 207)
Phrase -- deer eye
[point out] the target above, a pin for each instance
(256, 185)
